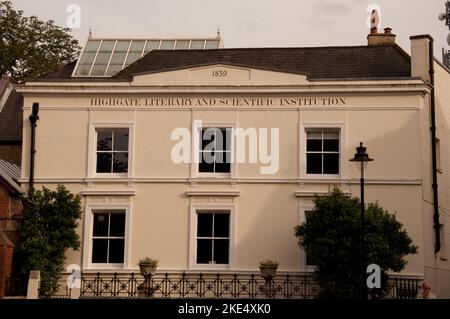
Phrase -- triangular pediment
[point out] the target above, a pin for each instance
(218, 75)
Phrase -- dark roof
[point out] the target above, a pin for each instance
(10, 173)
(11, 117)
(317, 63)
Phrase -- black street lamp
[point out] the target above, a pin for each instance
(361, 158)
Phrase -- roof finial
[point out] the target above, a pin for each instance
(90, 34)
(218, 33)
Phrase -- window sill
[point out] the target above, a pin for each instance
(105, 267)
(213, 175)
(322, 176)
(210, 267)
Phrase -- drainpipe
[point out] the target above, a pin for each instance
(33, 119)
(437, 246)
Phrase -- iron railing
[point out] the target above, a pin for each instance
(54, 290)
(402, 288)
(201, 285)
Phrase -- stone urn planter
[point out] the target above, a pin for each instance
(268, 269)
(147, 266)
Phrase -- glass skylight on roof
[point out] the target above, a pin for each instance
(212, 44)
(182, 45)
(104, 58)
(197, 44)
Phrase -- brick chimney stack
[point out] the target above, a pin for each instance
(375, 38)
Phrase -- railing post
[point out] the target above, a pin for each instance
(33, 284)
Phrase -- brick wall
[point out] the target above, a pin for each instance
(6, 256)
(4, 201)
(11, 153)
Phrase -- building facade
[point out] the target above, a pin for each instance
(129, 143)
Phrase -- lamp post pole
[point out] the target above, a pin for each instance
(363, 250)
(361, 158)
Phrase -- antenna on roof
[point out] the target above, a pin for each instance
(218, 33)
(90, 34)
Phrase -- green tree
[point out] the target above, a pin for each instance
(29, 47)
(332, 239)
(50, 219)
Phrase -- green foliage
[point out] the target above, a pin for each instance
(49, 223)
(332, 238)
(30, 48)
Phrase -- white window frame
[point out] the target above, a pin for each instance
(302, 218)
(88, 236)
(231, 208)
(304, 127)
(196, 147)
(92, 153)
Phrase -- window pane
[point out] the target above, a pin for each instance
(314, 135)
(107, 45)
(83, 69)
(314, 163)
(104, 140)
(220, 138)
(117, 225)
(118, 58)
(152, 45)
(331, 163)
(113, 69)
(137, 46)
(122, 46)
(102, 58)
(167, 44)
(313, 145)
(212, 44)
(221, 251)
(221, 225)
(222, 157)
(197, 44)
(101, 222)
(227, 138)
(223, 167)
(204, 251)
(99, 250)
(99, 70)
(87, 58)
(116, 250)
(121, 140)
(331, 145)
(206, 137)
(104, 161)
(182, 45)
(204, 225)
(92, 46)
(133, 56)
(120, 163)
(331, 135)
(204, 167)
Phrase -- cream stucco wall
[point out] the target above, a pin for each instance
(386, 115)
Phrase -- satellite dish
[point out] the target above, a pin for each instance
(448, 39)
(442, 16)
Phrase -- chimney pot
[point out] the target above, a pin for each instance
(376, 39)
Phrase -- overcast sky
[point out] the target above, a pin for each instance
(248, 23)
